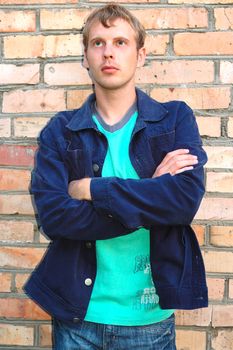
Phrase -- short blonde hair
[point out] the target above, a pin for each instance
(106, 15)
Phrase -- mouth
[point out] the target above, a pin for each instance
(109, 69)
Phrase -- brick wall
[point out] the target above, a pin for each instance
(190, 57)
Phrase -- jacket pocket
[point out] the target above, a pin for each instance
(161, 145)
(75, 159)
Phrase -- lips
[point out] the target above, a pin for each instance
(109, 69)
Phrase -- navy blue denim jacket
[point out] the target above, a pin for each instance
(71, 147)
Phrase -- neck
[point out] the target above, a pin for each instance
(113, 104)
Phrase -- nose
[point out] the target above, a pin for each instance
(108, 51)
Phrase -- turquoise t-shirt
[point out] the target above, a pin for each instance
(123, 293)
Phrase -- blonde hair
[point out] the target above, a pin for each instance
(106, 15)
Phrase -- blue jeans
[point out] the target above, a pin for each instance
(94, 336)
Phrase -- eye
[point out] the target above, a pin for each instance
(121, 42)
(98, 43)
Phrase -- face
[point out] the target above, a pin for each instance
(112, 56)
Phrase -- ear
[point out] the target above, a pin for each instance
(141, 57)
(85, 61)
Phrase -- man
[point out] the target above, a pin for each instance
(116, 184)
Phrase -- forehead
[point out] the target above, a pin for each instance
(118, 28)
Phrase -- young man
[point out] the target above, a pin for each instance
(116, 185)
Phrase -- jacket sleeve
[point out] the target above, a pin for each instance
(59, 215)
(165, 200)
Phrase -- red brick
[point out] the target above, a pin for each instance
(128, 1)
(230, 127)
(222, 316)
(17, 21)
(216, 288)
(176, 72)
(219, 182)
(30, 2)
(198, 317)
(44, 100)
(201, 2)
(188, 340)
(63, 18)
(215, 209)
(5, 127)
(197, 98)
(226, 72)
(20, 280)
(16, 204)
(221, 236)
(222, 339)
(200, 233)
(209, 126)
(223, 18)
(25, 46)
(14, 180)
(16, 335)
(211, 43)
(156, 44)
(45, 335)
(218, 261)
(25, 74)
(28, 126)
(16, 231)
(66, 74)
(5, 282)
(219, 157)
(164, 18)
(20, 257)
(75, 98)
(231, 288)
(21, 308)
(17, 155)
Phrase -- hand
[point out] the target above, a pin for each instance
(176, 162)
(80, 189)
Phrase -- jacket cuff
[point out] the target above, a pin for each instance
(99, 195)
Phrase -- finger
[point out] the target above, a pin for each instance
(173, 154)
(182, 170)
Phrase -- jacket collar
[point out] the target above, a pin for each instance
(148, 110)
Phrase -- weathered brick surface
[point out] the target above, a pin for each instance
(25, 74)
(22, 46)
(16, 231)
(198, 317)
(17, 155)
(190, 48)
(196, 97)
(219, 182)
(190, 340)
(16, 335)
(201, 44)
(21, 308)
(223, 18)
(221, 236)
(222, 316)
(222, 340)
(175, 72)
(17, 21)
(19, 101)
(45, 335)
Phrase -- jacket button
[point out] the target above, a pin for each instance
(76, 319)
(88, 282)
(110, 216)
(95, 167)
(88, 245)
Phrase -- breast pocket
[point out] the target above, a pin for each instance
(161, 145)
(76, 163)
